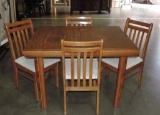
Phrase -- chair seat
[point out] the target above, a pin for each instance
(94, 73)
(131, 61)
(28, 63)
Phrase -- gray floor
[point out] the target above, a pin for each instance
(134, 100)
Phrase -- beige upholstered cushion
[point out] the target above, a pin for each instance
(94, 72)
(29, 62)
(131, 61)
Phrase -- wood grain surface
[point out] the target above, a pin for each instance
(46, 40)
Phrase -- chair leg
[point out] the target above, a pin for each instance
(140, 76)
(57, 78)
(107, 72)
(101, 76)
(65, 108)
(36, 86)
(123, 78)
(16, 76)
(97, 106)
(40, 13)
(43, 8)
(55, 69)
(34, 10)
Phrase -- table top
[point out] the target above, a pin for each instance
(46, 40)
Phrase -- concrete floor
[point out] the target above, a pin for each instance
(134, 101)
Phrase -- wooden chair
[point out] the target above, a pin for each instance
(78, 21)
(139, 33)
(19, 34)
(81, 71)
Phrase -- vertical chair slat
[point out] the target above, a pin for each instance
(24, 37)
(27, 34)
(84, 68)
(20, 41)
(138, 38)
(90, 69)
(134, 35)
(130, 33)
(72, 69)
(78, 69)
(141, 41)
(16, 44)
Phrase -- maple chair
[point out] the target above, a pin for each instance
(139, 33)
(81, 70)
(78, 20)
(19, 34)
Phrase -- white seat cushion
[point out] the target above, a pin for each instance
(131, 61)
(68, 69)
(29, 62)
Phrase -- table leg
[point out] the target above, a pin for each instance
(119, 84)
(40, 72)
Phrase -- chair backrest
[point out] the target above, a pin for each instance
(78, 20)
(19, 34)
(139, 33)
(82, 66)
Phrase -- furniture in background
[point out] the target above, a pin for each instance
(90, 5)
(116, 3)
(31, 5)
(139, 33)
(60, 2)
(4, 18)
(19, 34)
(126, 2)
(81, 70)
(46, 44)
(78, 20)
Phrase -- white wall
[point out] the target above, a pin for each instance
(5, 18)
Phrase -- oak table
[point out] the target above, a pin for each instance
(46, 43)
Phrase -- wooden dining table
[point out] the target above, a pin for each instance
(46, 43)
